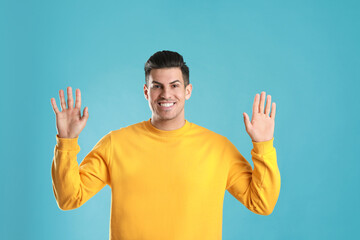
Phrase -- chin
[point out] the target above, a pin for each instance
(165, 117)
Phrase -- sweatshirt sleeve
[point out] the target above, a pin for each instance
(73, 185)
(258, 189)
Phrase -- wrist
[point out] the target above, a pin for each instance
(66, 136)
(263, 147)
(67, 143)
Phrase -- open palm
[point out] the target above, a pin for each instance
(261, 127)
(69, 122)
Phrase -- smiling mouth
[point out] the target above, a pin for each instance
(166, 104)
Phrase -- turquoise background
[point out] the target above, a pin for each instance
(305, 54)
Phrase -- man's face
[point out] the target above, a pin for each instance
(166, 94)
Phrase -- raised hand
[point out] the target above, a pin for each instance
(69, 122)
(261, 127)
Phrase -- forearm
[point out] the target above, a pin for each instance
(65, 173)
(264, 188)
(74, 184)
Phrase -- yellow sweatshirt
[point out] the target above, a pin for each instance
(166, 185)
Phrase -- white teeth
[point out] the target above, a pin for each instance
(166, 104)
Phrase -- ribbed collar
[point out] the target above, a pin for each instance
(170, 133)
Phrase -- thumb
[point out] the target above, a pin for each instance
(85, 114)
(246, 121)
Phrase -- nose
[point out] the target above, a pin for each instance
(166, 93)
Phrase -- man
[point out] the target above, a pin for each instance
(167, 176)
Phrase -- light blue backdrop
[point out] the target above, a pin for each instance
(303, 53)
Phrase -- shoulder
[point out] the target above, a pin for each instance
(207, 133)
(130, 129)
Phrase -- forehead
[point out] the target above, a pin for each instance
(166, 75)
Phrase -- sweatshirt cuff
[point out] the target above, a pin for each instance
(67, 143)
(263, 147)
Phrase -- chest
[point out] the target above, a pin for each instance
(161, 166)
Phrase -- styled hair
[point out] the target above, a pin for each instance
(166, 59)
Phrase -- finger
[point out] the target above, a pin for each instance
(246, 121)
(70, 100)
(256, 104)
(78, 99)
(53, 103)
(85, 114)
(262, 102)
(273, 111)
(268, 104)
(62, 100)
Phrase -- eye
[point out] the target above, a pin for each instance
(156, 86)
(175, 85)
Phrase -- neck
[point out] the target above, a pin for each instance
(168, 125)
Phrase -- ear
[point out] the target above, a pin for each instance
(146, 92)
(188, 91)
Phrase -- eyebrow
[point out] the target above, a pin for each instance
(169, 83)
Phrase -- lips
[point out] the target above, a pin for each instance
(166, 105)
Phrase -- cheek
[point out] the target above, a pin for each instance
(153, 96)
(183, 96)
